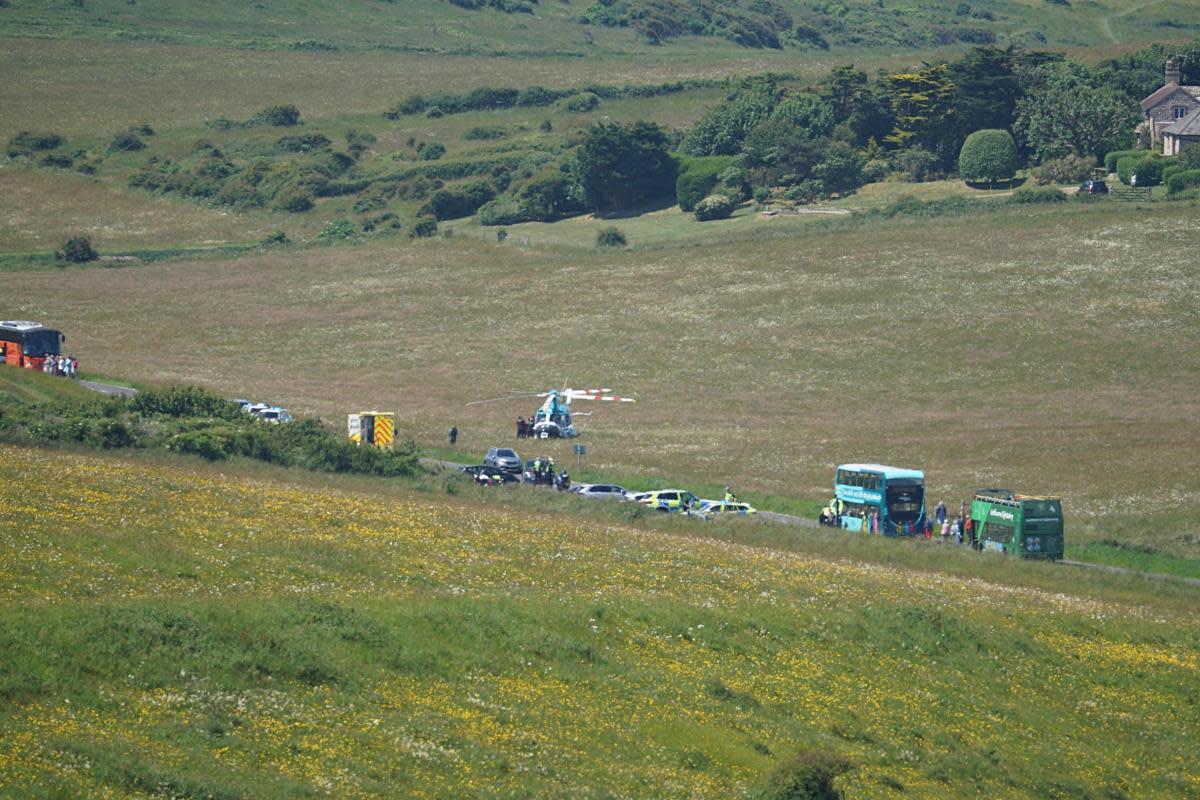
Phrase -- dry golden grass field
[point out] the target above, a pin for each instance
(1050, 350)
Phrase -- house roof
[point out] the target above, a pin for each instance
(1188, 126)
(1166, 91)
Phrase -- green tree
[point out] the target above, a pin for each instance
(922, 103)
(854, 103)
(778, 152)
(722, 130)
(808, 112)
(988, 155)
(986, 91)
(1065, 112)
(77, 250)
(619, 166)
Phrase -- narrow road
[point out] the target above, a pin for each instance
(109, 389)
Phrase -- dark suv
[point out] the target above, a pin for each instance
(1093, 187)
(504, 459)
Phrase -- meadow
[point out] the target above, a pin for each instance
(1042, 348)
(169, 628)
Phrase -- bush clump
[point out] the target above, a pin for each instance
(423, 227)
(1147, 168)
(1111, 159)
(988, 155)
(126, 142)
(697, 177)
(806, 775)
(431, 151)
(77, 250)
(26, 143)
(1182, 181)
(462, 202)
(1068, 169)
(610, 237)
(279, 116)
(581, 103)
(715, 206)
(484, 133)
(295, 198)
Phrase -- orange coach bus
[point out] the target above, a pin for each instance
(27, 344)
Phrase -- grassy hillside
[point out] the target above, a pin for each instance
(167, 628)
(1041, 348)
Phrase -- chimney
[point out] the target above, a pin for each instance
(1172, 73)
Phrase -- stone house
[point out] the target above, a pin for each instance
(1170, 109)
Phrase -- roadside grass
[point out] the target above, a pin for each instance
(27, 386)
(256, 633)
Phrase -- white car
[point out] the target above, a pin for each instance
(275, 415)
(608, 491)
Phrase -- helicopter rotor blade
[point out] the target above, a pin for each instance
(506, 397)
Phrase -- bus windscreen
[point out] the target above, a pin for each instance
(40, 343)
(905, 499)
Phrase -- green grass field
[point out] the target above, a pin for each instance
(172, 628)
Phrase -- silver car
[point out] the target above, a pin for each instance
(504, 459)
(608, 491)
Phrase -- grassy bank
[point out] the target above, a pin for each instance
(231, 637)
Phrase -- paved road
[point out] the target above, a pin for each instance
(109, 389)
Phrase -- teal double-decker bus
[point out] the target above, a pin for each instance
(895, 495)
(1021, 525)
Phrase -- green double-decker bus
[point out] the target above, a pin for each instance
(1022, 525)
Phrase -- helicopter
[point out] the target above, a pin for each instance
(554, 418)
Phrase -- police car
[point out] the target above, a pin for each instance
(670, 500)
(725, 508)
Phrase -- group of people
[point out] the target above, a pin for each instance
(62, 366)
(525, 428)
(957, 530)
(542, 472)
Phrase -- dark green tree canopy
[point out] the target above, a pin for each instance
(620, 166)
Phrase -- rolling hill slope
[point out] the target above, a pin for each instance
(170, 628)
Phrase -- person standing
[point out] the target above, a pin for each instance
(453, 435)
(968, 531)
(940, 513)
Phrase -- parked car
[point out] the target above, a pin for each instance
(608, 491)
(725, 508)
(671, 500)
(1093, 187)
(275, 415)
(504, 459)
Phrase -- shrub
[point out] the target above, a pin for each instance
(295, 198)
(501, 211)
(453, 204)
(305, 143)
(610, 237)
(423, 227)
(1182, 181)
(337, 229)
(126, 142)
(55, 160)
(1111, 159)
(581, 103)
(183, 401)
(431, 151)
(537, 96)
(279, 116)
(988, 155)
(358, 141)
(1190, 157)
(1172, 169)
(485, 132)
(1034, 195)
(276, 238)
(77, 250)
(715, 206)
(697, 177)
(914, 163)
(1147, 168)
(1068, 169)
(25, 143)
(806, 775)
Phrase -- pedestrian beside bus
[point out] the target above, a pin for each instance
(940, 513)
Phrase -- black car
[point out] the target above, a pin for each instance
(1093, 187)
(503, 458)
